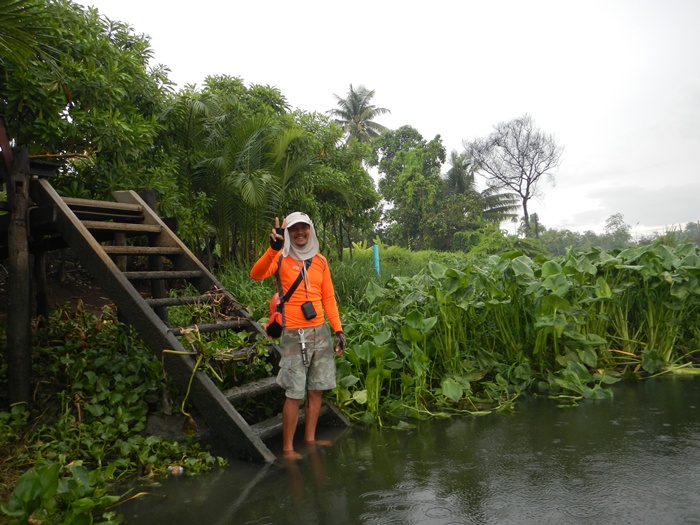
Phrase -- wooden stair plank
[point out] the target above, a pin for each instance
(184, 274)
(179, 301)
(102, 216)
(251, 390)
(273, 426)
(90, 203)
(142, 250)
(122, 226)
(232, 324)
(239, 354)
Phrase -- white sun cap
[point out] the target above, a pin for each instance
(296, 218)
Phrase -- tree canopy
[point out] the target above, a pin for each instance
(225, 158)
(411, 183)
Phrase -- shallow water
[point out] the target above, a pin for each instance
(633, 459)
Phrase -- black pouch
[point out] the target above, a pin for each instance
(308, 310)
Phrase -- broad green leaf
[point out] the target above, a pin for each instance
(374, 291)
(602, 289)
(680, 291)
(669, 260)
(557, 284)
(360, 396)
(550, 268)
(691, 261)
(411, 334)
(552, 303)
(364, 351)
(428, 324)
(451, 389)
(585, 266)
(348, 381)
(415, 320)
(407, 380)
(589, 357)
(382, 337)
(522, 266)
(436, 270)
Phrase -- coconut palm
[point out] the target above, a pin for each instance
(459, 179)
(356, 114)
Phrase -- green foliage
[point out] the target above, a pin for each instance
(617, 236)
(52, 493)
(489, 240)
(489, 204)
(97, 387)
(103, 101)
(472, 337)
(344, 198)
(358, 271)
(215, 352)
(23, 33)
(411, 182)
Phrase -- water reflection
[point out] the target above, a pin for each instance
(634, 459)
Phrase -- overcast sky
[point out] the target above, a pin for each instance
(617, 82)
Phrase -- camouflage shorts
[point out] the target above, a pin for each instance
(294, 377)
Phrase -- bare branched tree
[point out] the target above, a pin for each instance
(515, 156)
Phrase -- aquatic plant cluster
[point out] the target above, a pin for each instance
(471, 339)
(96, 386)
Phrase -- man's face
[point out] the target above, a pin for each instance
(299, 233)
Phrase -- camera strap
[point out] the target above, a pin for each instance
(285, 296)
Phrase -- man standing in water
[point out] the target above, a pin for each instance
(307, 366)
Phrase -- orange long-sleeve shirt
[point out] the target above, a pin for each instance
(317, 288)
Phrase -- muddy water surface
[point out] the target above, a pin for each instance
(634, 459)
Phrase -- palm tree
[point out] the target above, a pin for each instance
(186, 121)
(23, 34)
(250, 176)
(356, 115)
(459, 179)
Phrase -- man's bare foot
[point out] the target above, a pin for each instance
(291, 454)
(320, 443)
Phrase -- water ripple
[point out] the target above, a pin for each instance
(417, 506)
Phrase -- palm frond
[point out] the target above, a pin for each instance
(356, 114)
(22, 32)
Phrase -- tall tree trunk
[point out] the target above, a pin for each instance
(340, 239)
(345, 226)
(19, 336)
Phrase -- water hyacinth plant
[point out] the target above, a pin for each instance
(473, 338)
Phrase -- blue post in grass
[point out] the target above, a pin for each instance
(376, 258)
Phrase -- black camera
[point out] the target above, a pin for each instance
(308, 310)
